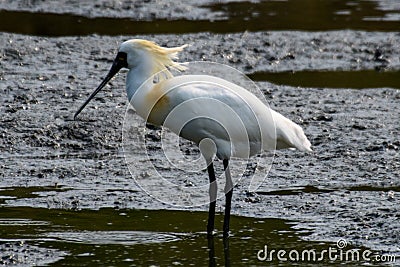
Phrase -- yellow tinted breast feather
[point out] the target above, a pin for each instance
(157, 101)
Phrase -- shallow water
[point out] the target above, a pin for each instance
(242, 16)
(332, 79)
(142, 238)
(315, 15)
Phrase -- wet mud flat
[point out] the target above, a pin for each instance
(138, 10)
(239, 15)
(347, 188)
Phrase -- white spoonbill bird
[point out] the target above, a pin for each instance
(222, 118)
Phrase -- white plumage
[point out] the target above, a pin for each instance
(265, 128)
(201, 107)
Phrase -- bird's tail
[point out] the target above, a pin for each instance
(289, 134)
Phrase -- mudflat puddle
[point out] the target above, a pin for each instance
(332, 79)
(37, 236)
(135, 237)
(303, 15)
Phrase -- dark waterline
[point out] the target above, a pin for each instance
(332, 79)
(305, 15)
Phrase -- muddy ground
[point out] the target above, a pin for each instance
(347, 188)
(138, 10)
(163, 9)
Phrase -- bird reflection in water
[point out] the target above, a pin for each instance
(211, 252)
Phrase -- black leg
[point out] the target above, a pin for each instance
(211, 252)
(213, 199)
(228, 197)
(226, 253)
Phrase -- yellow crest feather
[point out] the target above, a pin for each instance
(163, 57)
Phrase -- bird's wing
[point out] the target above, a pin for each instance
(199, 106)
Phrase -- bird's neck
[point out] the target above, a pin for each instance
(139, 78)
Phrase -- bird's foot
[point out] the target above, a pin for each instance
(211, 233)
(226, 234)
